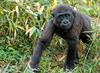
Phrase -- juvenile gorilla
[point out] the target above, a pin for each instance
(69, 25)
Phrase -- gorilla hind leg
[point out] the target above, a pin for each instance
(85, 37)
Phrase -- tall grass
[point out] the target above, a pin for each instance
(21, 24)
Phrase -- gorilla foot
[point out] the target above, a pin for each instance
(68, 71)
(69, 67)
(33, 69)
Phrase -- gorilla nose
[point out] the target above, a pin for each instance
(65, 22)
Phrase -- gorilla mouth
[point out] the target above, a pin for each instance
(66, 26)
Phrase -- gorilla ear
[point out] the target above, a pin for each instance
(52, 14)
(74, 13)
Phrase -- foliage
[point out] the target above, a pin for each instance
(21, 24)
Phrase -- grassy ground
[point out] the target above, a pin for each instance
(20, 29)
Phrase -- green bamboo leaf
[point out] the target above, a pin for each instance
(17, 11)
(20, 27)
(33, 31)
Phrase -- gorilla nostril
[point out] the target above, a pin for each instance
(66, 22)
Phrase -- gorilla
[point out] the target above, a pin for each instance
(69, 25)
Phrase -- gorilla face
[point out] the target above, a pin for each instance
(64, 20)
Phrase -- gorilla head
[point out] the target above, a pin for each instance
(63, 17)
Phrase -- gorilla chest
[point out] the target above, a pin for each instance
(61, 33)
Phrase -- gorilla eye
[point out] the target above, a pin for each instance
(67, 15)
(61, 17)
(52, 15)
